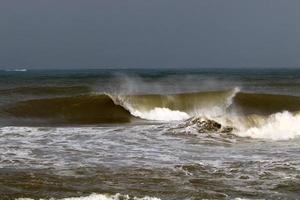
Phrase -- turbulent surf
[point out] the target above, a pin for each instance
(149, 134)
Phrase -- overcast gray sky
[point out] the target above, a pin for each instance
(149, 33)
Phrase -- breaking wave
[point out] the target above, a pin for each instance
(264, 116)
(106, 108)
(279, 126)
(178, 106)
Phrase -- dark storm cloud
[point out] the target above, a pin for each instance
(150, 33)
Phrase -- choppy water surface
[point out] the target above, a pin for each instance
(128, 138)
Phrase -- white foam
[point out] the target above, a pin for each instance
(156, 114)
(279, 126)
(102, 197)
(160, 114)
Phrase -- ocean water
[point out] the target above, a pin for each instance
(150, 134)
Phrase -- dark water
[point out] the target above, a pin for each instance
(72, 133)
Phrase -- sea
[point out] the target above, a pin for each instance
(150, 134)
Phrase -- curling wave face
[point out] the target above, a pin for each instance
(184, 105)
(107, 108)
(84, 109)
(249, 114)
(176, 107)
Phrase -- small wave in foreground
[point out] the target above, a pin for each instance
(102, 197)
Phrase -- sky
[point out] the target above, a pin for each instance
(149, 33)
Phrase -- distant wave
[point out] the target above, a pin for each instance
(16, 70)
(46, 90)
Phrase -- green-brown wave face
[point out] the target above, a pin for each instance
(106, 108)
(86, 109)
(253, 103)
(185, 102)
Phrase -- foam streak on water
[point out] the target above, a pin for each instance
(101, 197)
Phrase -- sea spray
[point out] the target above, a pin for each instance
(176, 106)
(279, 126)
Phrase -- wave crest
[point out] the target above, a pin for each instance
(178, 106)
(279, 126)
